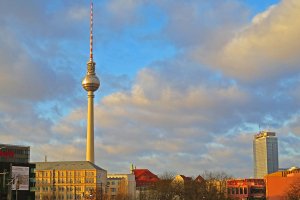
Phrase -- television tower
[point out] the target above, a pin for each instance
(90, 83)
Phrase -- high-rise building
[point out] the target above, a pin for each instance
(265, 153)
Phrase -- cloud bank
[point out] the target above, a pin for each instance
(196, 109)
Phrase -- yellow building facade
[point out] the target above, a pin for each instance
(69, 180)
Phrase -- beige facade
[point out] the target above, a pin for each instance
(121, 185)
(69, 180)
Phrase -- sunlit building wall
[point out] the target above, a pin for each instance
(265, 153)
(279, 183)
(121, 185)
(69, 180)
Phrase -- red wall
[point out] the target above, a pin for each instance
(278, 186)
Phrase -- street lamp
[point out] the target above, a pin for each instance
(4, 173)
(17, 186)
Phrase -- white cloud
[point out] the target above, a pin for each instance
(266, 49)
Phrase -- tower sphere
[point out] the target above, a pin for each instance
(90, 81)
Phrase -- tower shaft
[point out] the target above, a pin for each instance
(90, 128)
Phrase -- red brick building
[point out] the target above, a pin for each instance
(244, 189)
(144, 178)
(279, 183)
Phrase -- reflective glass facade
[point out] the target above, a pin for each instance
(265, 154)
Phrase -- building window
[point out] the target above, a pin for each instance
(229, 191)
(241, 190)
(245, 190)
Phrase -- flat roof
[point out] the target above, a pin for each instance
(13, 145)
(67, 165)
(265, 134)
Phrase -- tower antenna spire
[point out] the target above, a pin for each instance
(91, 32)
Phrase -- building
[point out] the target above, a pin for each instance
(16, 173)
(121, 185)
(200, 179)
(265, 153)
(279, 183)
(69, 180)
(181, 179)
(144, 180)
(242, 189)
(144, 177)
(179, 184)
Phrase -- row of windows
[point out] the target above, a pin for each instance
(60, 189)
(18, 160)
(48, 181)
(237, 190)
(113, 182)
(241, 190)
(18, 151)
(60, 197)
(63, 173)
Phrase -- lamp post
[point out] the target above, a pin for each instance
(4, 173)
(17, 186)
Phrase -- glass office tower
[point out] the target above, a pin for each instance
(265, 153)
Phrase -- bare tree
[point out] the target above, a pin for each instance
(212, 187)
(294, 191)
(216, 185)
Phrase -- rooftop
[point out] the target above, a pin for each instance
(12, 145)
(262, 134)
(67, 165)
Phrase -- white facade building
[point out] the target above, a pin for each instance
(265, 153)
(121, 185)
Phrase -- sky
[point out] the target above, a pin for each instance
(185, 84)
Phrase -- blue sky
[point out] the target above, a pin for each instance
(184, 84)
